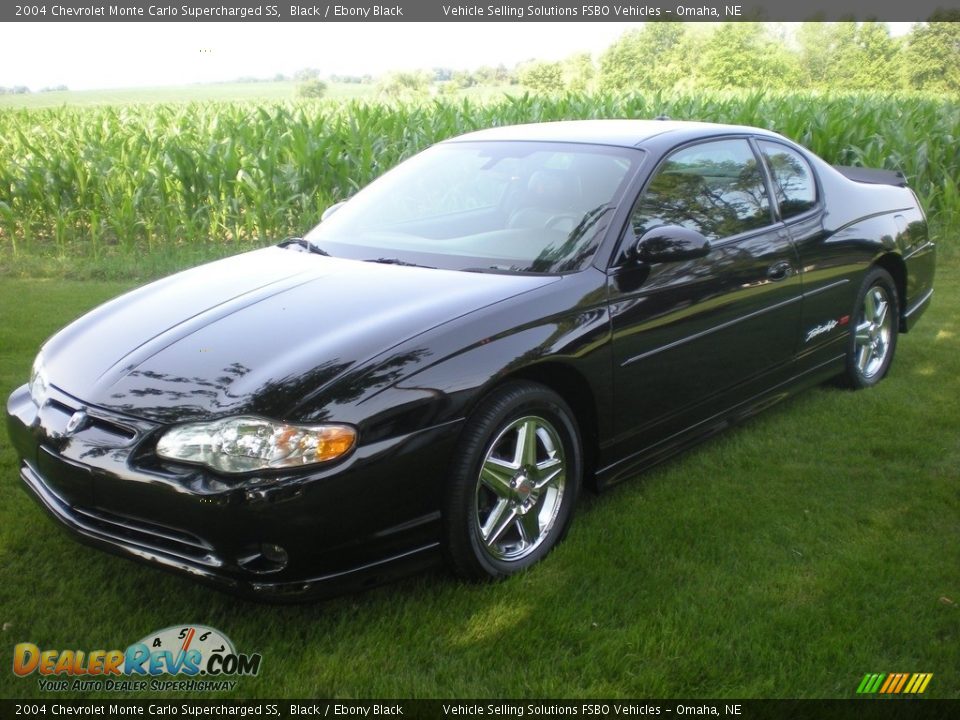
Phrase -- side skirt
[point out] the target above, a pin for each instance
(700, 431)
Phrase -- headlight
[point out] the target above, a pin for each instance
(38, 381)
(242, 444)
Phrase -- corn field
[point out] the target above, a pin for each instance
(144, 178)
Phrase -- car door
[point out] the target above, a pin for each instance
(690, 335)
(827, 264)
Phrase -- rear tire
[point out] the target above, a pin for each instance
(873, 332)
(514, 482)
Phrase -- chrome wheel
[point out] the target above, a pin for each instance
(520, 488)
(513, 483)
(872, 340)
(873, 332)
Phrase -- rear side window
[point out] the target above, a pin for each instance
(715, 188)
(793, 181)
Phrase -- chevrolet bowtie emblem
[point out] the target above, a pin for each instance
(77, 422)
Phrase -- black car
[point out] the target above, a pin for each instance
(437, 368)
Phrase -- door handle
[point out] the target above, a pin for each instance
(780, 271)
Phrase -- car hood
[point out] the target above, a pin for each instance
(256, 333)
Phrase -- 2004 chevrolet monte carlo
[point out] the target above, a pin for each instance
(437, 368)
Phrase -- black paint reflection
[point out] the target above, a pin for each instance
(792, 181)
(714, 188)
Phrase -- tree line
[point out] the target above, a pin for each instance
(681, 56)
(818, 55)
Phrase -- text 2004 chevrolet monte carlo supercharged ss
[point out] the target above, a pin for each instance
(437, 368)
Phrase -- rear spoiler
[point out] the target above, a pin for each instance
(872, 176)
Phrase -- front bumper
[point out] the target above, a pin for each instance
(371, 518)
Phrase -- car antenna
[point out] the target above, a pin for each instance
(662, 117)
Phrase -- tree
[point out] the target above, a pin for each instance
(405, 86)
(314, 88)
(865, 57)
(543, 77)
(656, 57)
(740, 55)
(463, 79)
(578, 72)
(448, 88)
(485, 75)
(933, 53)
(880, 69)
(818, 47)
(305, 74)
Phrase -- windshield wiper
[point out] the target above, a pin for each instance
(501, 269)
(305, 244)
(397, 261)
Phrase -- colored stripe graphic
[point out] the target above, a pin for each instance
(887, 682)
(903, 679)
(914, 683)
(894, 683)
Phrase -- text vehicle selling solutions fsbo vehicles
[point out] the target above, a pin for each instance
(437, 368)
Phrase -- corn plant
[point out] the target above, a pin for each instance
(136, 178)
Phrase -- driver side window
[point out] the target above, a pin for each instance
(715, 188)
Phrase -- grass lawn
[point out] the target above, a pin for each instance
(785, 558)
(273, 91)
(268, 91)
(197, 92)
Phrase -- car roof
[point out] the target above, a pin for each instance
(620, 133)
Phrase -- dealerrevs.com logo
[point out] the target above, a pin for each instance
(203, 654)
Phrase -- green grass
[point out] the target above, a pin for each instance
(785, 558)
(88, 191)
(260, 92)
(197, 92)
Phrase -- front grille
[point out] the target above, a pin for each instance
(57, 413)
(132, 533)
(152, 536)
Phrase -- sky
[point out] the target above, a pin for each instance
(86, 56)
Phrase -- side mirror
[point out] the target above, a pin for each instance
(331, 210)
(670, 243)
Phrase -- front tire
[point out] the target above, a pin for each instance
(514, 482)
(873, 337)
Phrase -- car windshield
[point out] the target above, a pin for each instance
(485, 206)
